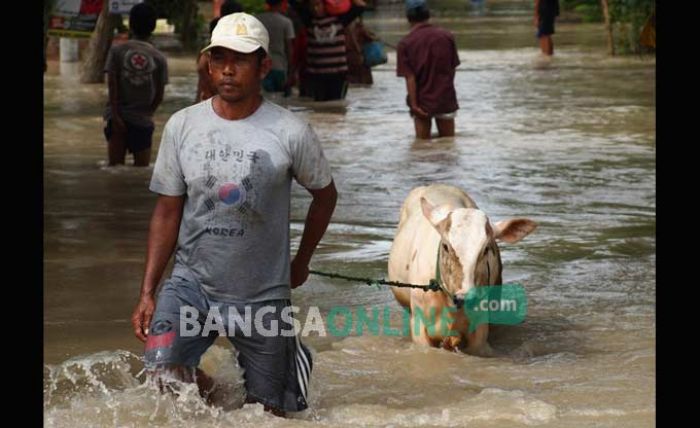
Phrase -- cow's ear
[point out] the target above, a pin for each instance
(427, 207)
(513, 230)
(434, 214)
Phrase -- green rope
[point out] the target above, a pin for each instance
(433, 286)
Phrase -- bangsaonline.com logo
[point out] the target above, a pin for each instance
(503, 304)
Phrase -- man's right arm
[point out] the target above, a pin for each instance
(118, 124)
(412, 90)
(113, 71)
(162, 237)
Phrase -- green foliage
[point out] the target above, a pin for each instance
(588, 10)
(589, 13)
(172, 10)
(252, 6)
(183, 15)
(628, 18)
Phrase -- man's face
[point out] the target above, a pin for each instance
(236, 75)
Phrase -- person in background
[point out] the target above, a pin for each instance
(205, 87)
(427, 59)
(281, 32)
(326, 55)
(137, 73)
(297, 12)
(545, 12)
(356, 35)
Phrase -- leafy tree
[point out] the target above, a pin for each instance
(183, 14)
(627, 18)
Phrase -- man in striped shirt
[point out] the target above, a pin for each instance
(327, 64)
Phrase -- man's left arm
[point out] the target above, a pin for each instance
(317, 219)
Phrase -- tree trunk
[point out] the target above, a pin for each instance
(189, 31)
(92, 70)
(608, 27)
(48, 8)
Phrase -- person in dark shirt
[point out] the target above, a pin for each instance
(545, 12)
(137, 73)
(356, 36)
(427, 58)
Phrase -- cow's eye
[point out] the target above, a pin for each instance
(486, 251)
(445, 247)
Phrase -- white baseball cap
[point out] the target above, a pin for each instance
(239, 32)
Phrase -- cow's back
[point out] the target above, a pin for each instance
(436, 194)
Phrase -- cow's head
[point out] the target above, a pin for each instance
(469, 255)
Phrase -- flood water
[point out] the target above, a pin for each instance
(570, 145)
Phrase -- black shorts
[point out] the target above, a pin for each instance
(138, 138)
(327, 87)
(546, 26)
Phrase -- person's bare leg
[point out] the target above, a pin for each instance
(142, 158)
(543, 45)
(422, 128)
(116, 149)
(546, 45)
(446, 127)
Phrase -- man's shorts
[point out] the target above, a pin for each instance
(277, 367)
(274, 81)
(328, 87)
(441, 116)
(546, 26)
(138, 138)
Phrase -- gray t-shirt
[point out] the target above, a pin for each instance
(280, 29)
(142, 69)
(234, 233)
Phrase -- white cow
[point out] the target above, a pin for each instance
(444, 218)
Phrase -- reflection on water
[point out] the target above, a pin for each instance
(570, 145)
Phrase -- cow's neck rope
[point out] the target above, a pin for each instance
(434, 285)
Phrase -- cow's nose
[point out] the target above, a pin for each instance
(458, 301)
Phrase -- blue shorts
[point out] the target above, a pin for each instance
(138, 138)
(277, 367)
(274, 81)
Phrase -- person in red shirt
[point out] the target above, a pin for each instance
(91, 7)
(427, 58)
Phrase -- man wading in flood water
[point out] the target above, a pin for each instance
(226, 164)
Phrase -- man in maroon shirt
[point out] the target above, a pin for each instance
(427, 58)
